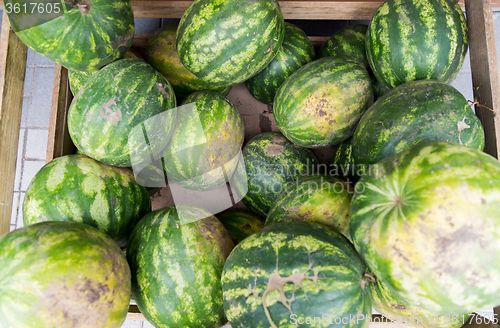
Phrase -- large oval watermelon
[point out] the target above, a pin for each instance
(320, 104)
(62, 274)
(176, 256)
(427, 225)
(78, 188)
(226, 42)
(295, 52)
(414, 112)
(295, 274)
(241, 224)
(81, 35)
(124, 98)
(411, 40)
(271, 161)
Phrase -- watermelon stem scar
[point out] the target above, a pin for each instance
(84, 6)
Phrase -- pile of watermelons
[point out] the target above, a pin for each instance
(405, 219)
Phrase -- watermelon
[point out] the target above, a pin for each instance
(410, 40)
(316, 198)
(295, 273)
(206, 143)
(121, 100)
(414, 112)
(161, 53)
(271, 161)
(320, 104)
(240, 224)
(176, 256)
(78, 188)
(228, 41)
(426, 223)
(295, 52)
(82, 35)
(399, 311)
(62, 274)
(341, 164)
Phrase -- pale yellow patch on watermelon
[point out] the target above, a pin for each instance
(100, 212)
(57, 174)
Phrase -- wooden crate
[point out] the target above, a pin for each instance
(258, 117)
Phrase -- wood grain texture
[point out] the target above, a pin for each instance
(484, 68)
(13, 54)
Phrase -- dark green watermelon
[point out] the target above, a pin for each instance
(111, 118)
(321, 103)
(271, 161)
(411, 40)
(295, 52)
(78, 188)
(316, 198)
(226, 42)
(81, 35)
(414, 112)
(241, 224)
(176, 256)
(348, 42)
(341, 164)
(62, 274)
(295, 274)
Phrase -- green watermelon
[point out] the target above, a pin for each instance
(226, 42)
(427, 222)
(176, 255)
(297, 273)
(271, 161)
(399, 311)
(81, 35)
(411, 40)
(241, 224)
(107, 117)
(320, 104)
(341, 164)
(205, 145)
(316, 198)
(161, 53)
(78, 188)
(62, 274)
(414, 112)
(295, 52)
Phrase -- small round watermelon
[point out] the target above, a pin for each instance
(241, 224)
(295, 52)
(111, 118)
(161, 53)
(315, 198)
(78, 188)
(204, 150)
(271, 161)
(226, 42)
(176, 256)
(320, 104)
(62, 274)
(410, 40)
(82, 35)
(294, 274)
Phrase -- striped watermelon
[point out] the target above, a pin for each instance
(411, 40)
(176, 255)
(206, 142)
(292, 274)
(161, 53)
(414, 112)
(295, 52)
(62, 274)
(228, 41)
(78, 188)
(241, 224)
(341, 164)
(419, 209)
(271, 161)
(316, 198)
(320, 104)
(121, 96)
(81, 35)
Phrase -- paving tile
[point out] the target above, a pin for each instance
(132, 324)
(12, 227)
(36, 144)
(496, 27)
(28, 81)
(147, 25)
(43, 61)
(463, 83)
(30, 168)
(15, 205)
(147, 325)
(39, 114)
(30, 61)
(20, 207)
(19, 161)
(25, 110)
